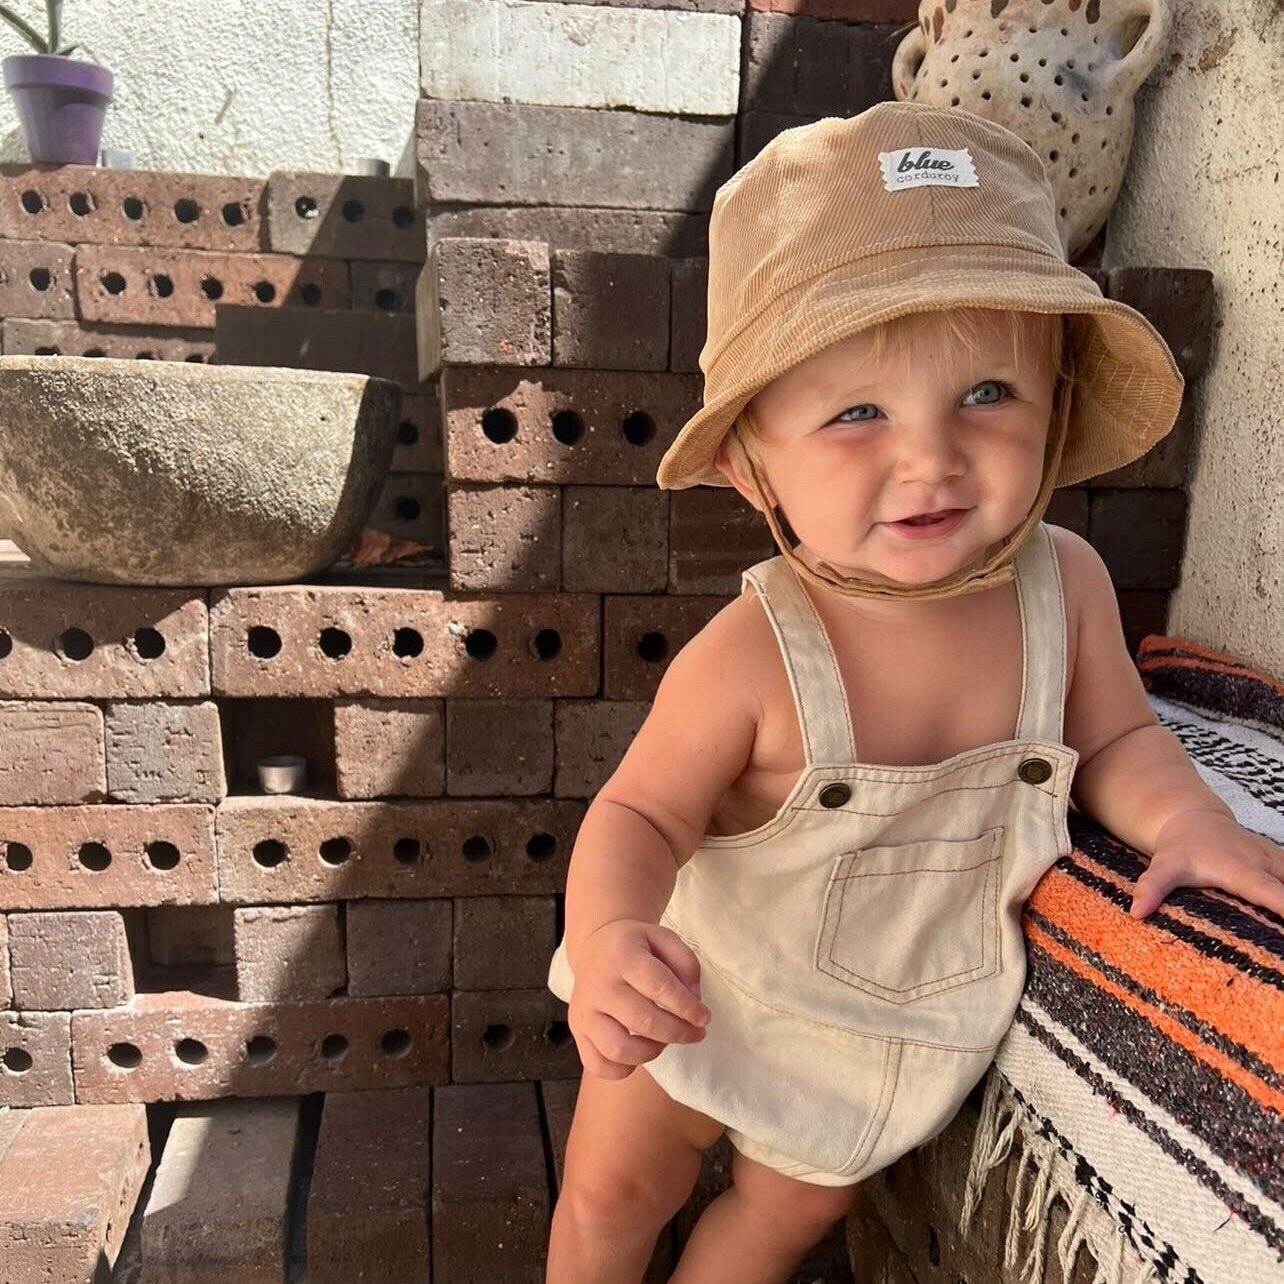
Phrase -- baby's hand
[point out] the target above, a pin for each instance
(631, 975)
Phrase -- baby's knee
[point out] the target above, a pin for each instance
(609, 1197)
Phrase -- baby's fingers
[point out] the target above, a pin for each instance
(608, 1050)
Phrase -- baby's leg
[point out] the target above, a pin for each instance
(632, 1157)
(758, 1230)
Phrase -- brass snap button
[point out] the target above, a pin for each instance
(1034, 771)
(835, 795)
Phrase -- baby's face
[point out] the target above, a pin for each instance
(852, 446)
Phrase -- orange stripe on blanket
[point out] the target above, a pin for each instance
(1176, 1033)
(1247, 1011)
(1145, 667)
(1161, 642)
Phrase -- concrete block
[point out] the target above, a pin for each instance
(622, 231)
(112, 855)
(1178, 302)
(290, 850)
(406, 643)
(185, 1046)
(35, 1060)
(390, 748)
(343, 216)
(64, 960)
(640, 635)
(615, 539)
(688, 323)
(714, 535)
(419, 447)
(51, 754)
(514, 154)
(507, 1036)
(506, 538)
(517, 51)
(412, 506)
(191, 935)
(163, 751)
(499, 747)
(132, 342)
(610, 311)
(36, 279)
(399, 947)
(288, 952)
(503, 942)
(1140, 535)
(595, 427)
(382, 287)
(592, 737)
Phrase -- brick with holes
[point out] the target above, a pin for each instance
(35, 1059)
(610, 311)
(91, 856)
(164, 751)
(51, 753)
(511, 153)
(484, 302)
(288, 952)
(85, 204)
(640, 635)
(505, 537)
(343, 216)
(714, 535)
(335, 641)
(623, 231)
(418, 447)
(503, 1036)
(382, 287)
(525, 928)
(290, 850)
(36, 279)
(187, 1046)
(592, 737)
(64, 959)
(499, 747)
(400, 946)
(144, 286)
(411, 506)
(390, 748)
(24, 337)
(615, 539)
(595, 427)
(68, 641)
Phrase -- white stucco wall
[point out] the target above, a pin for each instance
(245, 86)
(1204, 190)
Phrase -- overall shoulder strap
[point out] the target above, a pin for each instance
(1043, 638)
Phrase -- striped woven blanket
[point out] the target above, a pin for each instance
(1144, 1069)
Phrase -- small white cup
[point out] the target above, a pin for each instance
(283, 774)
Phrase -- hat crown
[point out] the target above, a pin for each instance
(815, 196)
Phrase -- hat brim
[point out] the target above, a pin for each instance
(1127, 387)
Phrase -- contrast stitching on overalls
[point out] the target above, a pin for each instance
(833, 660)
(883, 1110)
(795, 687)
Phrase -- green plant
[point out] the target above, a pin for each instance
(53, 44)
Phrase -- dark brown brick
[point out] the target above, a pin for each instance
(51, 753)
(382, 287)
(1140, 535)
(509, 1035)
(689, 319)
(615, 539)
(419, 447)
(642, 634)
(503, 942)
(1069, 508)
(36, 279)
(1166, 464)
(499, 747)
(758, 128)
(610, 311)
(130, 342)
(343, 216)
(592, 737)
(390, 748)
(62, 960)
(505, 538)
(190, 934)
(1142, 611)
(1180, 304)
(714, 535)
(288, 952)
(623, 231)
(35, 1060)
(399, 947)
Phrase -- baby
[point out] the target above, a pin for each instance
(795, 906)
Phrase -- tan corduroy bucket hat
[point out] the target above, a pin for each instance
(849, 222)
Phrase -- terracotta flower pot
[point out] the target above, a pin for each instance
(1060, 74)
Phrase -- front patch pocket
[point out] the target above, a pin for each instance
(913, 919)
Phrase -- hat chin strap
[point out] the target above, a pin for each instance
(996, 570)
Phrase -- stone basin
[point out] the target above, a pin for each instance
(166, 472)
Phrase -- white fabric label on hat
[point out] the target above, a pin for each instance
(927, 167)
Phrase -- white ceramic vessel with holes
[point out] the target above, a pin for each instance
(1060, 74)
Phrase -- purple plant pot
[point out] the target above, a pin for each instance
(61, 104)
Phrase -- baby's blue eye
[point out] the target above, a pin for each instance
(866, 406)
(1002, 390)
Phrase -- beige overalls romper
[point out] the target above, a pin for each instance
(861, 953)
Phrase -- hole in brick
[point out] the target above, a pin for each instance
(403, 216)
(541, 846)
(498, 1038)
(395, 1043)
(407, 643)
(638, 428)
(94, 856)
(568, 427)
(162, 286)
(652, 647)
(354, 211)
(499, 425)
(335, 643)
(195, 358)
(388, 299)
(149, 643)
(264, 291)
(113, 282)
(558, 1033)
(235, 213)
(306, 207)
(546, 644)
(186, 210)
(407, 433)
(191, 1052)
(17, 856)
(162, 855)
(41, 278)
(75, 644)
(95, 352)
(311, 294)
(933, 1247)
(48, 352)
(260, 1050)
(334, 851)
(144, 356)
(334, 1046)
(407, 508)
(16, 1060)
(405, 851)
(269, 852)
(6, 644)
(211, 287)
(32, 201)
(263, 641)
(476, 848)
(124, 1055)
(481, 644)
(133, 208)
(81, 204)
